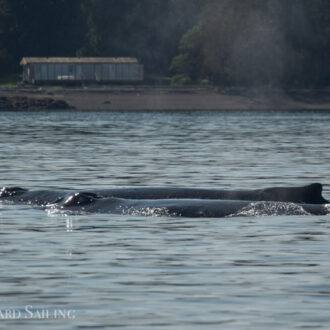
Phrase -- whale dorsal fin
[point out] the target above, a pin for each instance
(314, 194)
(311, 194)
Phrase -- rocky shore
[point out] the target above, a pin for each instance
(32, 103)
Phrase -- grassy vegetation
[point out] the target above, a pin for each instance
(154, 79)
(11, 80)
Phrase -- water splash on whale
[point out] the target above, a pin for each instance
(257, 209)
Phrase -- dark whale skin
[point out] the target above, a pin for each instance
(186, 202)
(193, 208)
(310, 194)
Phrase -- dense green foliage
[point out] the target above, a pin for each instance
(227, 42)
(258, 42)
(147, 29)
(39, 28)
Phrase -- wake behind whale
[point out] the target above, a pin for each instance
(184, 202)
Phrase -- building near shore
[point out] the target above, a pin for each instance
(38, 70)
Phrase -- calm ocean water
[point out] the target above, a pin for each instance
(136, 272)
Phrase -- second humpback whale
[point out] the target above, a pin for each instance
(310, 194)
(193, 208)
(187, 202)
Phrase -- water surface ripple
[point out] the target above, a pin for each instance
(136, 272)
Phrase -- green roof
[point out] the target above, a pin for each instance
(28, 60)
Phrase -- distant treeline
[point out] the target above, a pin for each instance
(225, 42)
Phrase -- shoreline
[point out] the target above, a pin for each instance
(148, 98)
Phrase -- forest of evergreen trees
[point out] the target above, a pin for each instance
(224, 42)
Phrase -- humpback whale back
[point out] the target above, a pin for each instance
(193, 208)
(188, 202)
(310, 194)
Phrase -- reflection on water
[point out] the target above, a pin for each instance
(160, 272)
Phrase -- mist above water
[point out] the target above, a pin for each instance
(257, 43)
